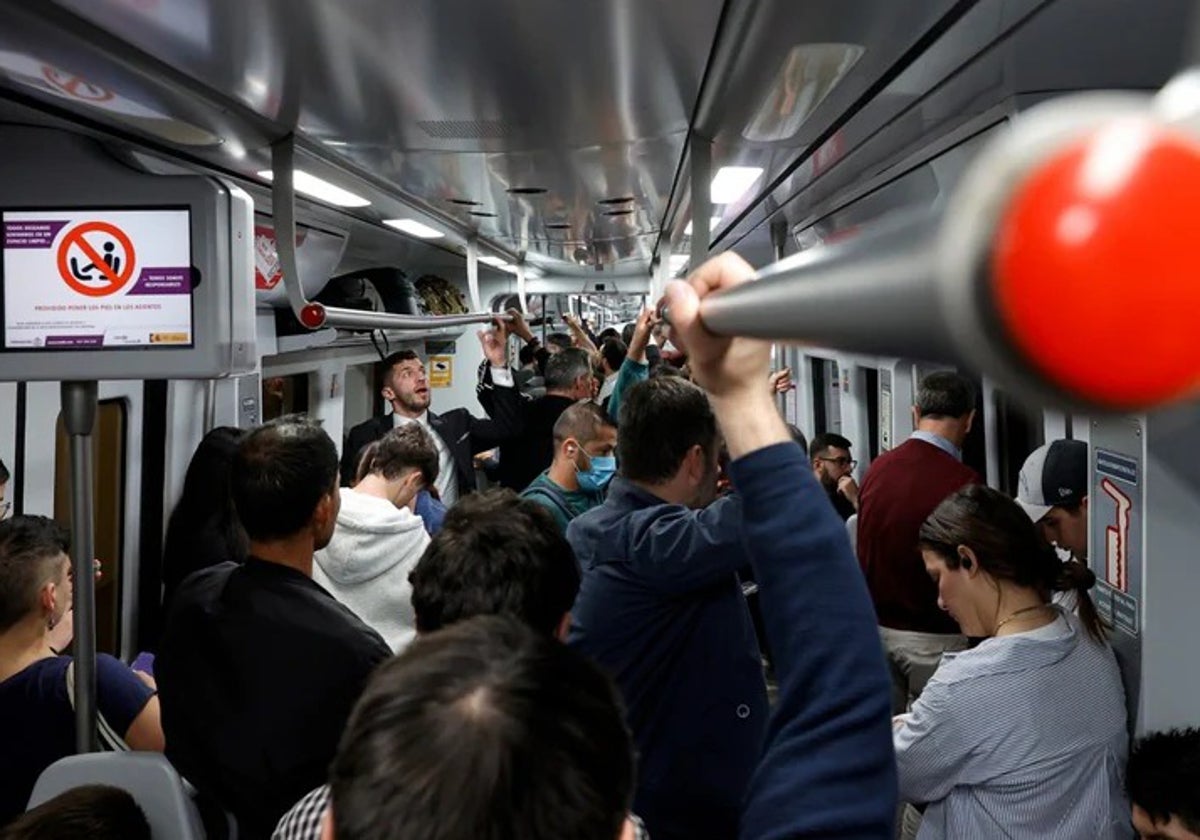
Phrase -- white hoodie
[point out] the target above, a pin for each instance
(367, 563)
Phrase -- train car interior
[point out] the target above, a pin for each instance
(351, 179)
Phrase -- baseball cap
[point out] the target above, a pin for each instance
(1053, 475)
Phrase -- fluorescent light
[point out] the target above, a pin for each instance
(712, 225)
(678, 262)
(732, 182)
(414, 228)
(337, 144)
(316, 188)
(496, 262)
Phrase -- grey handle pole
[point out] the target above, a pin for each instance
(79, 401)
(876, 295)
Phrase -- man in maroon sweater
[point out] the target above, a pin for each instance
(901, 489)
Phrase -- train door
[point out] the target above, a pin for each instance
(1020, 429)
(827, 399)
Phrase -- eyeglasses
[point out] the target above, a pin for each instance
(842, 462)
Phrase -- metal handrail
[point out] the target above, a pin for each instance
(312, 314)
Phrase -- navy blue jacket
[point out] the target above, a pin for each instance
(661, 609)
(829, 770)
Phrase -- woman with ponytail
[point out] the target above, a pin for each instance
(1024, 735)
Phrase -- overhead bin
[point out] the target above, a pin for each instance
(1065, 227)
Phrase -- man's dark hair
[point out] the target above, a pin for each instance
(393, 359)
(280, 472)
(406, 448)
(560, 339)
(564, 368)
(30, 547)
(582, 421)
(484, 730)
(661, 419)
(614, 351)
(97, 812)
(945, 394)
(608, 332)
(527, 354)
(5, 475)
(496, 554)
(1163, 776)
(825, 440)
(627, 332)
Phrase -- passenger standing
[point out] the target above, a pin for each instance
(1053, 490)
(259, 666)
(834, 468)
(1024, 735)
(1163, 780)
(35, 701)
(661, 609)
(457, 434)
(899, 492)
(204, 530)
(379, 538)
(828, 769)
(585, 441)
(525, 455)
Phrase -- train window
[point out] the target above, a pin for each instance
(1019, 431)
(872, 383)
(283, 395)
(827, 396)
(108, 453)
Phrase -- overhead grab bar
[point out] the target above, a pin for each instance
(312, 314)
(1063, 226)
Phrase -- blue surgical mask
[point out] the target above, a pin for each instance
(596, 478)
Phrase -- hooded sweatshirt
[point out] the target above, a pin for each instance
(367, 563)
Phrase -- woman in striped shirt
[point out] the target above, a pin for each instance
(1023, 736)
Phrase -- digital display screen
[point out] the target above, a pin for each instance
(97, 279)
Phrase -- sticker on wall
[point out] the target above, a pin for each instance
(441, 371)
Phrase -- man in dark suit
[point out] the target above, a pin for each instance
(524, 456)
(458, 434)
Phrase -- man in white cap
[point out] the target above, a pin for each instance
(1053, 490)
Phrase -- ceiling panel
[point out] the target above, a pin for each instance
(465, 99)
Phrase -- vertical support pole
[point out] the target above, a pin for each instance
(473, 274)
(521, 286)
(700, 155)
(779, 249)
(79, 402)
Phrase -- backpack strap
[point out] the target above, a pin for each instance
(555, 496)
(109, 739)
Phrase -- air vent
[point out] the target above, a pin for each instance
(465, 202)
(624, 212)
(465, 129)
(483, 214)
(558, 226)
(621, 200)
(528, 191)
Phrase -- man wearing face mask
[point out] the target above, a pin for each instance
(379, 538)
(585, 439)
(660, 607)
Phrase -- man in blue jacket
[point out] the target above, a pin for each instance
(828, 770)
(661, 609)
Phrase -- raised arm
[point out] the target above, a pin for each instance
(828, 770)
(635, 368)
(497, 394)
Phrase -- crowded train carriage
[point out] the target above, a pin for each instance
(611, 419)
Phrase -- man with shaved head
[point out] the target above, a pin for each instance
(585, 439)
